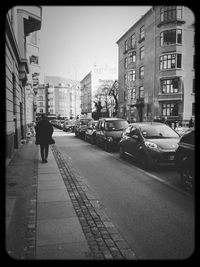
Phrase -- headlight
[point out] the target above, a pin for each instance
(109, 139)
(151, 145)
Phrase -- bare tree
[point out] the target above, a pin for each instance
(114, 92)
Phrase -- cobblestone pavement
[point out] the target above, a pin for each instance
(103, 238)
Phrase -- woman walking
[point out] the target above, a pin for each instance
(44, 131)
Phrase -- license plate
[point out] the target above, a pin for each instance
(171, 157)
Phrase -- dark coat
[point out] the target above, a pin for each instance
(44, 131)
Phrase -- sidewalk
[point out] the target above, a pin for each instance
(50, 214)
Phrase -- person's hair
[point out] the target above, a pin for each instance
(43, 116)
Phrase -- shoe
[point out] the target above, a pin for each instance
(45, 161)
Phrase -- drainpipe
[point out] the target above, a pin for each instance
(154, 70)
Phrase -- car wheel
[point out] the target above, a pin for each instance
(121, 152)
(92, 140)
(144, 163)
(106, 147)
(187, 179)
(97, 142)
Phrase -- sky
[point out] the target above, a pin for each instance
(74, 38)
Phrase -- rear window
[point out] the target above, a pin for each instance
(116, 125)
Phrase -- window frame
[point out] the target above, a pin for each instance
(132, 57)
(141, 52)
(142, 33)
(168, 83)
(166, 61)
(169, 108)
(178, 33)
(133, 41)
(132, 73)
(171, 13)
(141, 96)
(141, 72)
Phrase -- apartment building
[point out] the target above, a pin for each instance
(62, 99)
(91, 86)
(41, 99)
(33, 42)
(156, 66)
(20, 22)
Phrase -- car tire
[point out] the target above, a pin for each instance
(106, 147)
(121, 152)
(92, 140)
(97, 142)
(144, 163)
(187, 179)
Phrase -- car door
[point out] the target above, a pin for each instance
(102, 131)
(126, 139)
(134, 142)
(98, 131)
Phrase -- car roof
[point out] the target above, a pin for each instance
(146, 123)
(112, 119)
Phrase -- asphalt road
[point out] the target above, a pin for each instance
(150, 210)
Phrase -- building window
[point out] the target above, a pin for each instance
(41, 104)
(171, 37)
(131, 75)
(125, 63)
(41, 110)
(34, 59)
(133, 94)
(125, 79)
(40, 97)
(141, 33)
(142, 52)
(141, 72)
(193, 109)
(170, 61)
(126, 45)
(171, 13)
(133, 41)
(169, 109)
(169, 86)
(141, 92)
(132, 57)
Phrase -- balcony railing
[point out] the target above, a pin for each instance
(172, 96)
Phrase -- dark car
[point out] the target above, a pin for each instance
(109, 131)
(151, 143)
(184, 160)
(80, 127)
(90, 133)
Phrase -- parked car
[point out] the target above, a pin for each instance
(151, 143)
(184, 159)
(66, 127)
(109, 131)
(81, 126)
(90, 133)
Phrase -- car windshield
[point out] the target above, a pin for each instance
(116, 125)
(158, 131)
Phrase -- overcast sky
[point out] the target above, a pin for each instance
(74, 38)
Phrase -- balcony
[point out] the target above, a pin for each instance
(169, 97)
(32, 16)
